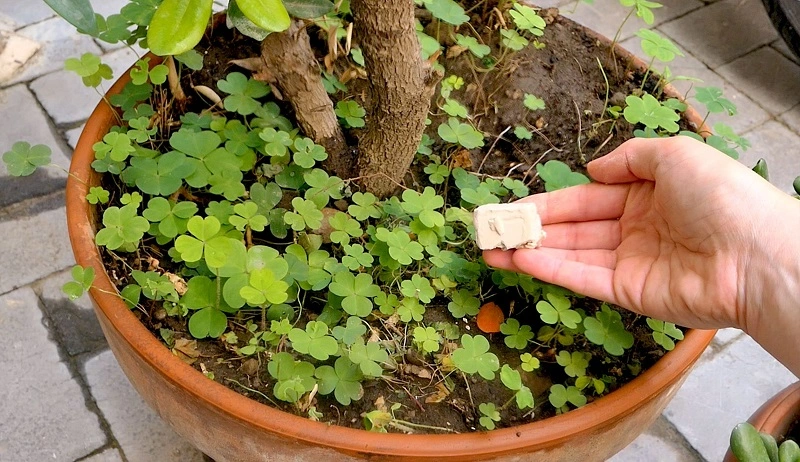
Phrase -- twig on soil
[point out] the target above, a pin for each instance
(580, 128)
(602, 145)
(492, 148)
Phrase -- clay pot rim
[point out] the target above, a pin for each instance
(546, 433)
(779, 412)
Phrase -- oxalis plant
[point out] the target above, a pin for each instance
(297, 253)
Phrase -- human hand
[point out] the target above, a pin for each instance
(679, 232)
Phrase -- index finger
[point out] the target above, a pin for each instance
(586, 202)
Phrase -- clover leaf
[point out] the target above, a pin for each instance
(711, 98)
(343, 379)
(532, 102)
(23, 159)
(522, 133)
(658, 47)
(474, 356)
(353, 329)
(648, 111)
(410, 309)
(346, 228)
(424, 206)
(117, 146)
(356, 290)
(463, 303)
(369, 357)
(364, 206)
(513, 381)
(172, 218)
(247, 216)
(528, 362)
(159, 176)
(480, 195)
(141, 72)
(471, 43)
(305, 215)
(121, 227)
(447, 10)
(455, 109)
(664, 333)
(427, 338)
(307, 153)
(351, 112)
(401, 248)
(574, 363)
(489, 415)
(294, 378)
(606, 329)
(526, 19)
(205, 242)
(82, 279)
(242, 93)
(97, 195)
(560, 396)
(512, 40)
(437, 173)
(323, 187)
(557, 309)
(643, 8)
(208, 322)
(557, 175)
(314, 340)
(517, 336)
(460, 133)
(418, 287)
(264, 287)
(356, 257)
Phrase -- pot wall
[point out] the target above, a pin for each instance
(230, 427)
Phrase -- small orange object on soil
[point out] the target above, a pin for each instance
(490, 317)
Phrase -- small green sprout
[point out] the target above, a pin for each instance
(123, 228)
(649, 111)
(522, 133)
(451, 83)
(401, 248)
(418, 287)
(658, 47)
(141, 73)
(644, 9)
(463, 303)
(557, 175)
(305, 215)
(512, 40)
(460, 133)
(455, 109)
(91, 70)
(606, 329)
(437, 173)
(664, 333)
(517, 336)
(307, 153)
(561, 395)
(351, 112)
(410, 309)
(82, 279)
(353, 330)
(513, 381)
(489, 415)
(97, 195)
(471, 43)
(526, 19)
(247, 216)
(532, 102)
(556, 309)
(427, 339)
(474, 357)
(529, 363)
(574, 363)
(343, 379)
(294, 378)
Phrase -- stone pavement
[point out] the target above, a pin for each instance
(64, 397)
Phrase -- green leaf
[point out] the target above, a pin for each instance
(208, 322)
(471, 43)
(526, 19)
(474, 356)
(191, 59)
(295, 378)
(23, 159)
(522, 133)
(664, 333)
(243, 92)
(307, 153)
(97, 195)
(574, 363)
(711, 98)
(352, 113)
(161, 176)
(560, 396)
(264, 287)
(90, 69)
(82, 279)
(269, 15)
(606, 329)
(418, 287)
(79, 13)
(122, 227)
(557, 309)
(427, 338)
(517, 336)
(489, 415)
(455, 109)
(658, 47)
(650, 112)
(369, 357)
(351, 331)
(532, 102)
(512, 40)
(557, 175)
(462, 133)
(343, 379)
(178, 25)
(305, 215)
(356, 290)
(447, 10)
(308, 9)
(243, 24)
(463, 303)
(314, 340)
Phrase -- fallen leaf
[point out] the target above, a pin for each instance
(177, 282)
(462, 159)
(186, 350)
(440, 395)
(490, 317)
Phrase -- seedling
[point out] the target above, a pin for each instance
(557, 175)
(351, 112)
(665, 333)
(474, 357)
(460, 133)
(82, 279)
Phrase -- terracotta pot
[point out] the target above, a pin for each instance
(229, 427)
(776, 416)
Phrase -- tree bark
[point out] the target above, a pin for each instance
(290, 64)
(401, 85)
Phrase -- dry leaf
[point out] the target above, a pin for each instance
(441, 394)
(186, 350)
(462, 159)
(177, 282)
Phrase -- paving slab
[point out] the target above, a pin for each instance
(141, 434)
(749, 113)
(33, 247)
(15, 52)
(74, 322)
(780, 147)
(43, 413)
(21, 13)
(791, 119)
(29, 125)
(67, 100)
(109, 455)
(783, 48)
(723, 31)
(73, 135)
(59, 41)
(726, 336)
(606, 17)
(659, 443)
(722, 391)
(768, 77)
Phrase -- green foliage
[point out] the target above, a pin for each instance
(353, 329)
(474, 357)
(247, 216)
(526, 19)
(528, 362)
(649, 111)
(427, 339)
(351, 113)
(574, 363)
(424, 206)
(242, 93)
(97, 195)
(401, 248)
(418, 287)
(91, 70)
(606, 329)
(23, 159)
(463, 303)
(658, 47)
(79, 13)
(172, 218)
(343, 379)
(178, 25)
(82, 279)
(305, 215)
(750, 445)
(522, 133)
(357, 291)
(451, 83)
(437, 173)
(369, 357)
(517, 336)
(489, 415)
(294, 378)
(712, 99)
(307, 153)
(561, 395)
(141, 73)
(308, 9)
(557, 175)
(314, 340)
(123, 227)
(455, 109)
(512, 40)
(446, 10)
(264, 286)
(471, 43)
(556, 309)
(460, 133)
(664, 333)
(644, 9)
(513, 381)
(533, 103)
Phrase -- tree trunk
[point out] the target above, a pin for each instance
(290, 64)
(401, 85)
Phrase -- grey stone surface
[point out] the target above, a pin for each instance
(59, 42)
(33, 247)
(723, 31)
(769, 77)
(74, 322)
(64, 96)
(31, 125)
(780, 147)
(723, 390)
(606, 17)
(73, 135)
(749, 113)
(791, 119)
(659, 443)
(141, 434)
(43, 413)
(726, 336)
(783, 48)
(109, 455)
(21, 13)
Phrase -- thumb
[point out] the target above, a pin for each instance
(637, 159)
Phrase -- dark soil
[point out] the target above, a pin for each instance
(573, 129)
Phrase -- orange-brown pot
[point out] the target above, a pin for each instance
(776, 416)
(231, 428)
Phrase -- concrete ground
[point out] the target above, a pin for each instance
(63, 395)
